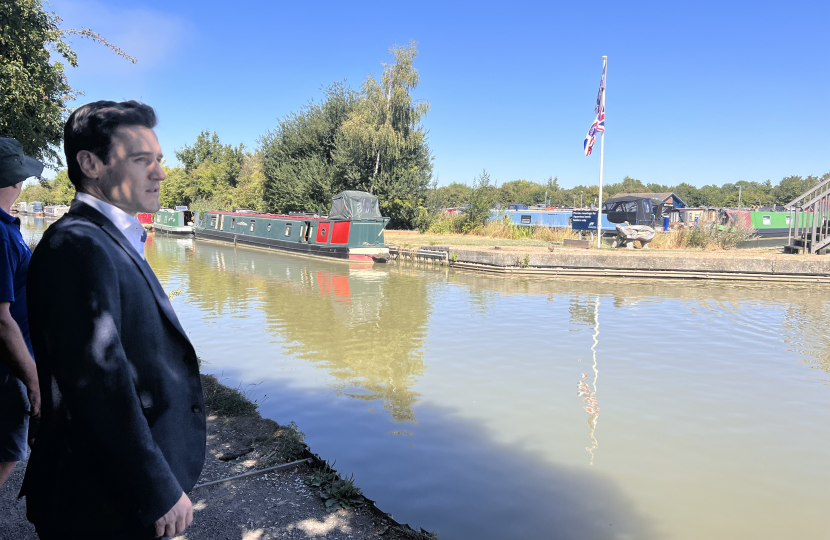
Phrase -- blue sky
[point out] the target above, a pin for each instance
(705, 92)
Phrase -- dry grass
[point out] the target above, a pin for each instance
(456, 230)
(705, 237)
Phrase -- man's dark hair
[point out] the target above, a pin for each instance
(91, 127)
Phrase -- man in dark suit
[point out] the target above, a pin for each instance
(122, 437)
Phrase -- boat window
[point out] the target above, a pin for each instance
(767, 220)
(233, 223)
(525, 220)
(288, 229)
(269, 227)
(213, 222)
(253, 222)
(789, 219)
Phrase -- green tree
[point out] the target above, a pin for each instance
(452, 195)
(483, 197)
(35, 91)
(50, 192)
(383, 148)
(521, 192)
(298, 160)
(385, 125)
(370, 141)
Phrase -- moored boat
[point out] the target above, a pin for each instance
(55, 211)
(36, 208)
(174, 221)
(352, 231)
(146, 219)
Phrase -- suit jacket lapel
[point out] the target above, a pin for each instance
(93, 215)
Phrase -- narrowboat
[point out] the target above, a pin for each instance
(36, 208)
(352, 231)
(146, 219)
(174, 221)
(542, 217)
(55, 212)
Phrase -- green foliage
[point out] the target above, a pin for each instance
(35, 90)
(290, 446)
(298, 162)
(336, 491)
(523, 262)
(322, 476)
(214, 177)
(342, 493)
(369, 141)
(482, 199)
(50, 192)
(451, 196)
(225, 401)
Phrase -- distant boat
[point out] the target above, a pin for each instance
(352, 231)
(36, 208)
(56, 211)
(177, 220)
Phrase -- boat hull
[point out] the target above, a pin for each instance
(345, 253)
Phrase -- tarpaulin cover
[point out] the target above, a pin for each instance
(354, 205)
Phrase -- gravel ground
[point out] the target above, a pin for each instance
(260, 507)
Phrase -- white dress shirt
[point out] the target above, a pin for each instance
(129, 225)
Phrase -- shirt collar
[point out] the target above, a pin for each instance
(6, 218)
(129, 225)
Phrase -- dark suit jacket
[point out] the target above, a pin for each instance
(123, 427)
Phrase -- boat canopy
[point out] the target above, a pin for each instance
(354, 205)
(631, 209)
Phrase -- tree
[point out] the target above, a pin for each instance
(483, 197)
(50, 192)
(385, 125)
(33, 103)
(370, 141)
(383, 148)
(521, 192)
(298, 161)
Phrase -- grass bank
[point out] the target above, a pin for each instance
(503, 233)
(311, 498)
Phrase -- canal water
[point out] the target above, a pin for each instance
(492, 408)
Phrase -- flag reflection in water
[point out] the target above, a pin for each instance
(584, 390)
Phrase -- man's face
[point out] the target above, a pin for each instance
(133, 174)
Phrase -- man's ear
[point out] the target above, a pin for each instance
(91, 165)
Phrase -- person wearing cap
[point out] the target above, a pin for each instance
(122, 435)
(19, 392)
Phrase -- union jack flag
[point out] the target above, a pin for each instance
(597, 126)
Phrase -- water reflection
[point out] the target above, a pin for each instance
(584, 391)
(350, 321)
(31, 227)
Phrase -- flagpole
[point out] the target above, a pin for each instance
(601, 155)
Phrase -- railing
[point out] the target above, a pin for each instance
(810, 219)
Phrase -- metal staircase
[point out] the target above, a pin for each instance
(809, 221)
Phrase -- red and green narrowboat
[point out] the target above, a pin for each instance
(352, 231)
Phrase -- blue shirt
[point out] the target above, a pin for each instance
(14, 263)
